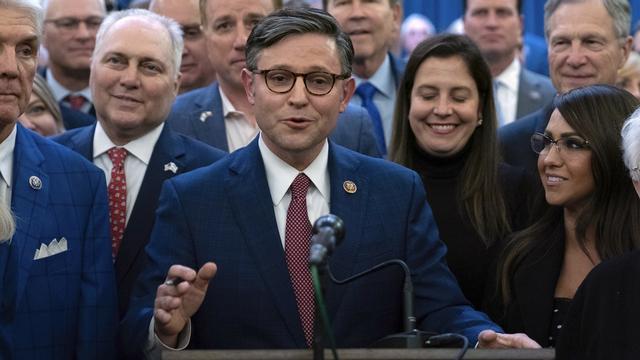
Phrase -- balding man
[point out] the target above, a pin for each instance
(133, 88)
(57, 294)
(195, 68)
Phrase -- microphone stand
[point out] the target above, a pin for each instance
(318, 338)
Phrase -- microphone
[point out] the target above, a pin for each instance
(328, 232)
(411, 337)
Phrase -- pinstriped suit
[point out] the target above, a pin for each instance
(62, 306)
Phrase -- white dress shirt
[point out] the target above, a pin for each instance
(280, 175)
(385, 97)
(508, 83)
(135, 165)
(60, 92)
(6, 165)
(240, 130)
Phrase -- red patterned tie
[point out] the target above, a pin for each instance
(296, 244)
(117, 197)
(76, 102)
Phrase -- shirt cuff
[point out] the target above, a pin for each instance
(154, 344)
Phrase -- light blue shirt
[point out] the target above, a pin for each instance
(385, 97)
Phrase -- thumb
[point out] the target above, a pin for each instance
(205, 274)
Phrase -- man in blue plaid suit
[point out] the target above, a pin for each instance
(57, 288)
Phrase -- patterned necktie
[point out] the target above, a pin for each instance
(366, 91)
(297, 239)
(76, 102)
(117, 198)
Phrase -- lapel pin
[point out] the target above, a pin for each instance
(349, 186)
(171, 166)
(205, 115)
(35, 183)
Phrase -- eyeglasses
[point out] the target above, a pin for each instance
(71, 24)
(317, 82)
(541, 144)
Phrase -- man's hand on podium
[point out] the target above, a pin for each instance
(178, 298)
(489, 339)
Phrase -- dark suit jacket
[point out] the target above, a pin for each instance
(198, 113)
(515, 139)
(534, 283)
(73, 119)
(62, 306)
(224, 213)
(186, 153)
(534, 92)
(603, 320)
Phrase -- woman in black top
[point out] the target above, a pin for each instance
(445, 129)
(593, 213)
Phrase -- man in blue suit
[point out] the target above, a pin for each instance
(573, 62)
(371, 25)
(57, 290)
(133, 88)
(219, 114)
(242, 214)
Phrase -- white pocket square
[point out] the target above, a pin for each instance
(55, 247)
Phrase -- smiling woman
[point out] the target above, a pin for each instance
(592, 212)
(445, 129)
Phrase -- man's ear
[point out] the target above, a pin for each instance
(348, 88)
(248, 83)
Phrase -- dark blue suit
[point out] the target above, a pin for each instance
(223, 213)
(515, 139)
(198, 113)
(187, 154)
(73, 119)
(62, 306)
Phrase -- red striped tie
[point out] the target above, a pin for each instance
(296, 245)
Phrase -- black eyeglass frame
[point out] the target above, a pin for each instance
(583, 146)
(334, 77)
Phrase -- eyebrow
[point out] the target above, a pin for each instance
(564, 134)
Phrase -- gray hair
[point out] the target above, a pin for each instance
(31, 8)
(101, 3)
(631, 144)
(618, 10)
(287, 21)
(172, 27)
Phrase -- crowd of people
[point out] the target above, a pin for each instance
(199, 140)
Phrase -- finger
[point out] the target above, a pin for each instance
(182, 272)
(205, 274)
(521, 341)
(487, 338)
(168, 303)
(162, 317)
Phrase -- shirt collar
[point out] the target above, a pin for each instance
(60, 92)
(510, 76)
(227, 106)
(141, 148)
(6, 156)
(382, 79)
(280, 175)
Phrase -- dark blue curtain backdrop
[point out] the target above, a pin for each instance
(443, 12)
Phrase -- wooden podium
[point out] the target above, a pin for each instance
(362, 354)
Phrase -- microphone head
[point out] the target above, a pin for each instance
(330, 221)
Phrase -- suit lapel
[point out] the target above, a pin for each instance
(212, 130)
(29, 205)
(253, 209)
(350, 207)
(168, 149)
(82, 142)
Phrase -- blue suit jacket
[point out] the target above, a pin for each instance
(515, 139)
(224, 213)
(73, 119)
(186, 153)
(198, 113)
(62, 306)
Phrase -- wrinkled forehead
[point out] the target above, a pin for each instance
(73, 8)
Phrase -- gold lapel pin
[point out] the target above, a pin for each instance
(349, 186)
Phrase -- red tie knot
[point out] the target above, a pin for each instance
(117, 155)
(300, 186)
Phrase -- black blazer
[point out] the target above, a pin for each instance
(603, 320)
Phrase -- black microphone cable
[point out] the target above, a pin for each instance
(448, 339)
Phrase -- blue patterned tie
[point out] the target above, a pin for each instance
(366, 91)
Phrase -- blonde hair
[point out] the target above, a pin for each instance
(7, 223)
(631, 67)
